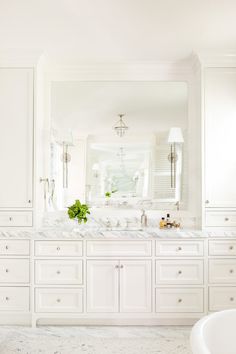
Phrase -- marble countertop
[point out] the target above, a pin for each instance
(60, 233)
(96, 233)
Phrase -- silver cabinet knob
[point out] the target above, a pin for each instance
(232, 299)
(179, 248)
(7, 270)
(7, 298)
(231, 271)
(226, 219)
(58, 272)
(207, 201)
(58, 248)
(180, 300)
(121, 266)
(180, 272)
(117, 266)
(58, 300)
(29, 201)
(231, 247)
(10, 218)
(6, 247)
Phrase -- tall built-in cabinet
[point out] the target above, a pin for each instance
(16, 146)
(219, 106)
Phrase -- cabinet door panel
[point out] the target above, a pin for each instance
(220, 142)
(135, 286)
(16, 137)
(102, 286)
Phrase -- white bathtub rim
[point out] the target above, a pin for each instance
(197, 333)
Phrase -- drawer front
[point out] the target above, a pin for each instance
(218, 218)
(14, 298)
(59, 248)
(16, 218)
(222, 271)
(179, 300)
(58, 300)
(59, 272)
(222, 248)
(14, 247)
(222, 298)
(179, 272)
(119, 248)
(14, 270)
(179, 248)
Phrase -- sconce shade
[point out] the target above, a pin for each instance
(175, 135)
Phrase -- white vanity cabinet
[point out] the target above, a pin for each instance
(14, 280)
(220, 145)
(119, 286)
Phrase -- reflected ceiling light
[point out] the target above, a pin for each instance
(120, 127)
(175, 136)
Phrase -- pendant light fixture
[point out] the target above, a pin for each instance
(120, 127)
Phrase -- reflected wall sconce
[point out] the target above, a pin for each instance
(95, 169)
(120, 127)
(175, 136)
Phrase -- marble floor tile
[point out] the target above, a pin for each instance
(95, 340)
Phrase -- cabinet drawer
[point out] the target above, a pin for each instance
(179, 272)
(222, 271)
(179, 248)
(16, 218)
(59, 272)
(179, 300)
(14, 298)
(59, 248)
(58, 300)
(119, 248)
(14, 247)
(222, 248)
(222, 298)
(14, 270)
(219, 218)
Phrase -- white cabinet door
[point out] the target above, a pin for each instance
(135, 286)
(102, 286)
(16, 137)
(220, 142)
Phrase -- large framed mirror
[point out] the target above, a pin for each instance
(113, 143)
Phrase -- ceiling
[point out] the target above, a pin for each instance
(92, 107)
(72, 31)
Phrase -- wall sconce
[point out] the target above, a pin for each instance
(65, 140)
(175, 136)
(95, 170)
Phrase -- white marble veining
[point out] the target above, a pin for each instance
(95, 340)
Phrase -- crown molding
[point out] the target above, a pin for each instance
(19, 57)
(210, 59)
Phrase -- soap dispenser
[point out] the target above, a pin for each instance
(143, 219)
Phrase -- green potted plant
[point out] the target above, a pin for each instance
(78, 212)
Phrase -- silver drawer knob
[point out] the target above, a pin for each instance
(180, 272)
(29, 201)
(7, 298)
(231, 247)
(180, 300)
(58, 248)
(7, 270)
(6, 247)
(121, 266)
(58, 300)
(179, 248)
(58, 272)
(232, 299)
(10, 218)
(207, 201)
(231, 271)
(226, 219)
(116, 266)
